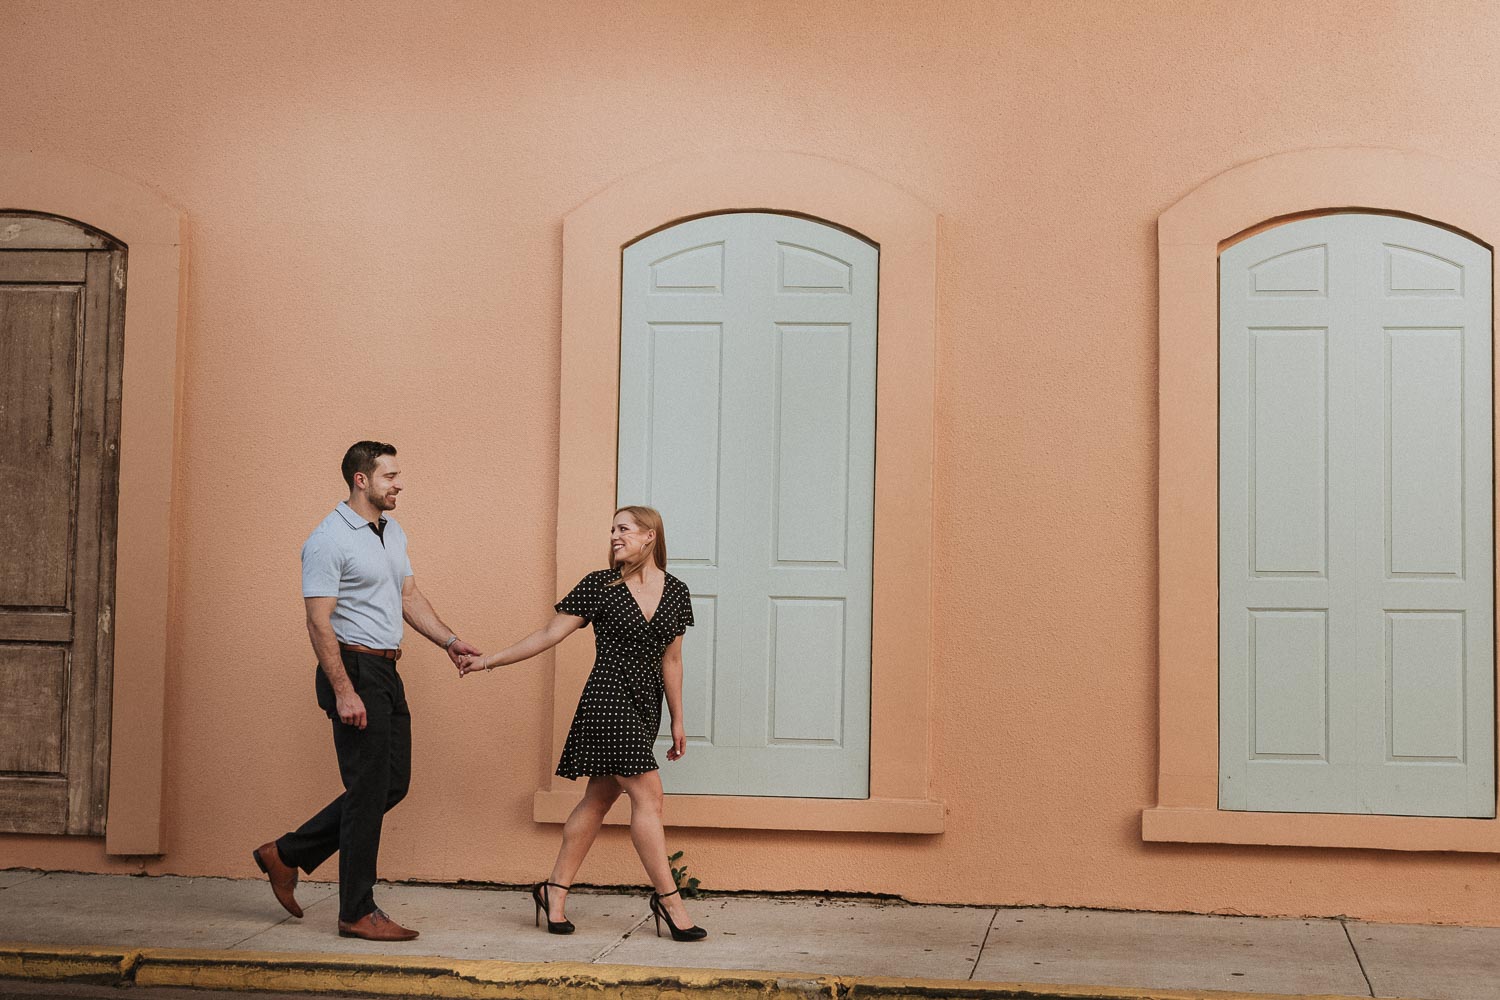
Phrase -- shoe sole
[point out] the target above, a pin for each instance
(351, 934)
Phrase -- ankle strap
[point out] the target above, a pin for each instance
(664, 895)
(557, 885)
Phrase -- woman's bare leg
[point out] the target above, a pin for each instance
(650, 840)
(578, 836)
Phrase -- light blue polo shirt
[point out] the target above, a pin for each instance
(344, 558)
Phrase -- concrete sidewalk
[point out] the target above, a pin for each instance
(219, 932)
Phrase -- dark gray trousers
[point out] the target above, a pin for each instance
(375, 764)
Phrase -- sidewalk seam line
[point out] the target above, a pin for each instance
(620, 940)
(1361, 962)
(261, 931)
(984, 941)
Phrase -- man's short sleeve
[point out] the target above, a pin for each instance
(321, 567)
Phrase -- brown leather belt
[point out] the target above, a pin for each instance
(354, 647)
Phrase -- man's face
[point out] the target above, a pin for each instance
(382, 485)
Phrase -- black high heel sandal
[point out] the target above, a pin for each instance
(694, 933)
(539, 897)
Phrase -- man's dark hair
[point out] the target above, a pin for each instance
(362, 456)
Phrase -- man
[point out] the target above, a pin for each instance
(357, 586)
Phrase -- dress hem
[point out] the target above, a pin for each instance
(605, 774)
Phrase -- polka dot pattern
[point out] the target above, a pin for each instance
(619, 712)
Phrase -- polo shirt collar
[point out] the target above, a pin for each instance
(352, 519)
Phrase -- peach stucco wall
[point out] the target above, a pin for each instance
(374, 196)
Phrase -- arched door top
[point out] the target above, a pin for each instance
(20, 230)
(1323, 213)
(1292, 184)
(829, 223)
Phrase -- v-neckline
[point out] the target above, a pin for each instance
(642, 611)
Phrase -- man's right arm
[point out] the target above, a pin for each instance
(325, 644)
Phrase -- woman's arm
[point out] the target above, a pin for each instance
(555, 631)
(671, 675)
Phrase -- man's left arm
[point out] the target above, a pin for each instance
(420, 615)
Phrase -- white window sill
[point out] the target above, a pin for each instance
(1390, 833)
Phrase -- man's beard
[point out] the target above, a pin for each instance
(385, 502)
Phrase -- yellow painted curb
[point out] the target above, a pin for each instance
(21, 961)
(461, 979)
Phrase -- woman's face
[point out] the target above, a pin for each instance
(628, 540)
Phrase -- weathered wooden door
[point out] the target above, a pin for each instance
(747, 416)
(62, 292)
(1356, 507)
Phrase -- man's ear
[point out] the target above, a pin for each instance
(361, 481)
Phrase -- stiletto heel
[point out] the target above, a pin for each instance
(694, 933)
(539, 897)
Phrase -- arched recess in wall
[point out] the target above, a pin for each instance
(594, 238)
(1191, 235)
(151, 230)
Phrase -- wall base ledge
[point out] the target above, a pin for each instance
(1198, 825)
(760, 813)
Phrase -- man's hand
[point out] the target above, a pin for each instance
(461, 651)
(351, 709)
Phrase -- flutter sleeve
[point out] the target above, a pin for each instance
(684, 613)
(584, 599)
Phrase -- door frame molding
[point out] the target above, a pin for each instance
(1190, 236)
(153, 232)
(594, 237)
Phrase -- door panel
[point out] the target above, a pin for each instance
(33, 693)
(747, 414)
(1356, 521)
(41, 332)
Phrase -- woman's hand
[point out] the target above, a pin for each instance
(679, 742)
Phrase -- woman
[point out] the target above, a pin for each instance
(639, 612)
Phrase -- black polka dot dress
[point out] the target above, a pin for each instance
(619, 712)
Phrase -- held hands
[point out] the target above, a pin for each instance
(472, 663)
(679, 742)
(460, 651)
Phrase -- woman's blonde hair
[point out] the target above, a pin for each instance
(649, 519)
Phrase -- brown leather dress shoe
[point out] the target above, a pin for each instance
(376, 926)
(283, 876)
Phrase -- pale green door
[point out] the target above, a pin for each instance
(747, 417)
(1356, 631)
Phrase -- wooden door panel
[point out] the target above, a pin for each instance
(45, 232)
(36, 626)
(40, 327)
(43, 266)
(33, 805)
(33, 697)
